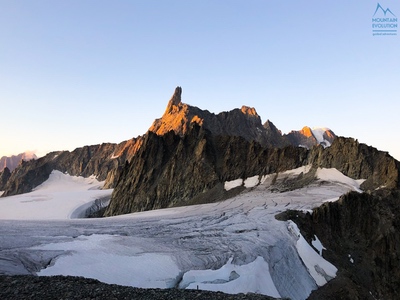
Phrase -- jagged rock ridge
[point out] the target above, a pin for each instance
(189, 153)
(103, 161)
(359, 161)
(171, 170)
(244, 122)
(107, 160)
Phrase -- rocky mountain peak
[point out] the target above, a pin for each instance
(175, 100)
(244, 122)
(251, 111)
(307, 137)
(306, 131)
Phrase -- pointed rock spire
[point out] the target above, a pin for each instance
(176, 97)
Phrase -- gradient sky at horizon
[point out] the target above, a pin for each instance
(75, 73)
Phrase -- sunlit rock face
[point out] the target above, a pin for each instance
(244, 122)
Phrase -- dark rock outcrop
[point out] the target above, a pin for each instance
(361, 235)
(29, 287)
(4, 176)
(171, 170)
(359, 161)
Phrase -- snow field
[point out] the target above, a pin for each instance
(333, 175)
(233, 279)
(61, 197)
(90, 256)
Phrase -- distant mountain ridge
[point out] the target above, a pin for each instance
(307, 137)
(103, 161)
(11, 162)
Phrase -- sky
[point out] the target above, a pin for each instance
(75, 73)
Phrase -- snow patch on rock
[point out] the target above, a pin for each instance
(320, 269)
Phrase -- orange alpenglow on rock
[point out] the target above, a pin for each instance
(249, 110)
(306, 131)
(176, 99)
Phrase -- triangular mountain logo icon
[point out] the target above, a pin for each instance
(385, 11)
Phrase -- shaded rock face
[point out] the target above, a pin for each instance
(103, 161)
(274, 134)
(359, 161)
(171, 170)
(362, 235)
(4, 176)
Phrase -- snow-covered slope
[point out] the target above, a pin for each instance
(235, 246)
(320, 134)
(61, 197)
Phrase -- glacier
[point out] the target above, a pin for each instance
(234, 246)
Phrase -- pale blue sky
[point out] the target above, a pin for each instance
(75, 73)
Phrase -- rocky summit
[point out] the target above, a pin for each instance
(244, 122)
